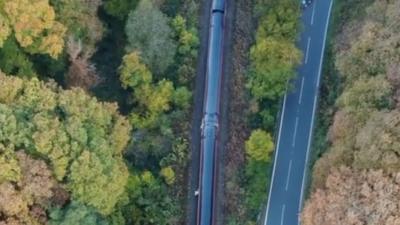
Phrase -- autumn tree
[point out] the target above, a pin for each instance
(81, 72)
(33, 24)
(272, 65)
(363, 133)
(152, 99)
(355, 197)
(148, 32)
(168, 174)
(82, 139)
(258, 149)
(259, 146)
(25, 193)
(84, 30)
(377, 143)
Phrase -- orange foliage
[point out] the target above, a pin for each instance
(368, 197)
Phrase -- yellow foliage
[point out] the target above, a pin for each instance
(34, 25)
(9, 168)
(259, 146)
(9, 87)
(5, 30)
(168, 174)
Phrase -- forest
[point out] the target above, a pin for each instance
(95, 105)
(355, 179)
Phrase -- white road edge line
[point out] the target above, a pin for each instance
(283, 213)
(276, 156)
(313, 14)
(314, 108)
(301, 90)
(308, 48)
(288, 176)
(295, 131)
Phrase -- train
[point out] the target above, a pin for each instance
(210, 121)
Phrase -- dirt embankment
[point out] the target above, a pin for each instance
(238, 104)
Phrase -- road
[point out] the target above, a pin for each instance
(285, 198)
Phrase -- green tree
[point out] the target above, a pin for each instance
(259, 146)
(188, 43)
(273, 64)
(81, 20)
(148, 32)
(149, 202)
(74, 214)
(152, 99)
(13, 60)
(281, 21)
(120, 8)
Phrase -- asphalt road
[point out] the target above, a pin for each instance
(295, 132)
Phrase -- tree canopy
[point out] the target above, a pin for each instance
(148, 32)
(355, 197)
(82, 138)
(33, 24)
(259, 146)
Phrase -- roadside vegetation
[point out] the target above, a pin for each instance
(94, 110)
(357, 146)
(273, 58)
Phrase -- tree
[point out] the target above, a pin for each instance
(377, 143)
(23, 200)
(9, 167)
(81, 72)
(108, 175)
(187, 38)
(80, 18)
(259, 146)
(148, 32)
(133, 73)
(187, 49)
(13, 60)
(272, 66)
(34, 26)
(76, 213)
(280, 22)
(168, 174)
(149, 202)
(152, 99)
(81, 138)
(355, 197)
(363, 133)
(120, 8)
